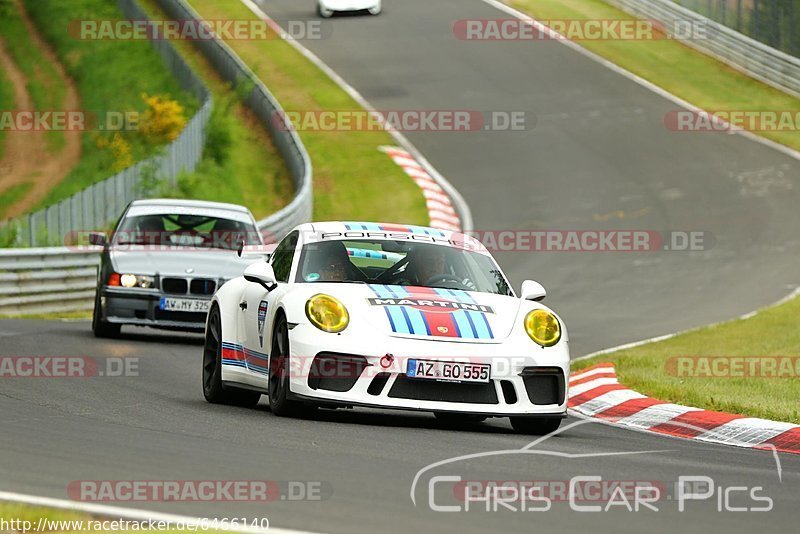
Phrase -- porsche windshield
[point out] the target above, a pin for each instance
(401, 263)
(197, 231)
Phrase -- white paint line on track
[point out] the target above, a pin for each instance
(102, 510)
(402, 140)
(748, 315)
(633, 77)
(497, 4)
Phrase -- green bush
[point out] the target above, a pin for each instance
(111, 76)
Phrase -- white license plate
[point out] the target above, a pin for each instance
(183, 305)
(449, 371)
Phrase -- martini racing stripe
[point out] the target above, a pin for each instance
(418, 321)
(237, 356)
(232, 354)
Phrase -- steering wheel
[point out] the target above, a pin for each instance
(438, 279)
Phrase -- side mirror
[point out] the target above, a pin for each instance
(97, 238)
(532, 291)
(261, 273)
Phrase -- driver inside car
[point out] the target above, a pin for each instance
(424, 263)
(332, 262)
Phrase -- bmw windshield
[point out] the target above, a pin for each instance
(184, 230)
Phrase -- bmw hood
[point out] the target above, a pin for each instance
(429, 313)
(211, 263)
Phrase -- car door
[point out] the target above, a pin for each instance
(259, 305)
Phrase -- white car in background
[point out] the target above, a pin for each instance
(326, 8)
(387, 316)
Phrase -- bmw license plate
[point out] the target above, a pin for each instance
(448, 371)
(183, 305)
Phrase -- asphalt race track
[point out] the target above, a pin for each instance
(599, 147)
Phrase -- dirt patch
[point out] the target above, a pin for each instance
(26, 154)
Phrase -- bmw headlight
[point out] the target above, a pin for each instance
(327, 313)
(136, 280)
(543, 328)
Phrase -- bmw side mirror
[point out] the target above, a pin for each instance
(532, 291)
(97, 238)
(261, 273)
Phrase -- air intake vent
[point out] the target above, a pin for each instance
(544, 385)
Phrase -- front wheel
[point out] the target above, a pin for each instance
(279, 370)
(213, 390)
(101, 328)
(375, 10)
(536, 426)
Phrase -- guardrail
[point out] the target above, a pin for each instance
(47, 280)
(101, 203)
(743, 53)
(270, 114)
(55, 279)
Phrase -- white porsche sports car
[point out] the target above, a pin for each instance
(386, 316)
(326, 8)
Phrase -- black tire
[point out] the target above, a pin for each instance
(101, 328)
(448, 418)
(279, 368)
(535, 426)
(213, 389)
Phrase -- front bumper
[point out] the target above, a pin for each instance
(141, 307)
(524, 380)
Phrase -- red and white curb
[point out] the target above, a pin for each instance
(440, 207)
(595, 392)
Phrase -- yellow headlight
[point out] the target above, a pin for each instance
(543, 327)
(327, 313)
(128, 280)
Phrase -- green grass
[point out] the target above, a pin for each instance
(772, 332)
(110, 76)
(6, 103)
(240, 163)
(45, 86)
(12, 195)
(23, 512)
(53, 316)
(691, 75)
(352, 179)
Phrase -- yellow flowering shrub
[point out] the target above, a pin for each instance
(162, 121)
